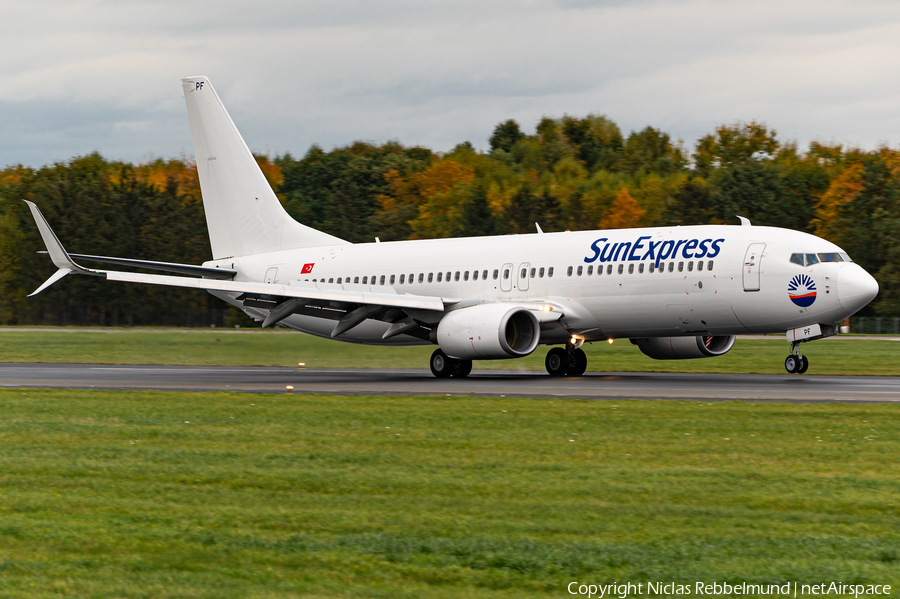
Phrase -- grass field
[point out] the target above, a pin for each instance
(152, 494)
(283, 348)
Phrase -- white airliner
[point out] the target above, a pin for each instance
(675, 292)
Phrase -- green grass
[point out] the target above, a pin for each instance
(153, 494)
(272, 348)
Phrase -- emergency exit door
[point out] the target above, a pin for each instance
(752, 261)
(506, 275)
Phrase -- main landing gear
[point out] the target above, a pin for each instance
(796, 363)
(570, 361)
(443, 366)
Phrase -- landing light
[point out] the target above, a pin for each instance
(610, 341)
(301, 364)
(546, 308)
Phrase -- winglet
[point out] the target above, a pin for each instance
(745, 222)
(57, 252)
(538, 227)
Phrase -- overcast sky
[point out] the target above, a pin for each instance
(78, 75)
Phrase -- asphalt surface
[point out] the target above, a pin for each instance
(420, 382)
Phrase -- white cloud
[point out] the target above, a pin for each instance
(80, 76)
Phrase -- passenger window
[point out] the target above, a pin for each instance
(609, 269)
(475, 275)
(421, 277)
(533, 272)
(496, 274)
(365, 280)
(392, 279)
(811, 259)
(579, 271)
(430, 277)
(402, 279)
(641, 268)
(524, 272)
(331, 280)
(339, 280)
(681, 267)
(631, 269)
(671, 267)
(652, 267)
(699, 265)
(412, 278)
(505, 274)
(590, 270)
(440, 276)
(456, 276)
(448, 277)
(621, 268)
(541, 272)
(709, 265)
(569, 271)
(381, 280)
(550, 272)
(355, 280)
(797, 259)
(466, 276)
(484, 275)
(691, 266)
(662, 267)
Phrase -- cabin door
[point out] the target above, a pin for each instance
(271, 274)
(752, 262)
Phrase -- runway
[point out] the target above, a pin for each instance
(489, 382)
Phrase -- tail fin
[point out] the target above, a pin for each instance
(242, 212)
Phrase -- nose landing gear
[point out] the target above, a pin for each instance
(796, 363)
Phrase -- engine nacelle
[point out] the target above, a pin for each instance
(684, 348)
(489, 332)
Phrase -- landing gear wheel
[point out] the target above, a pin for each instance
(804, 364)
(792, 364)
(578, 363)
(442, 365)
(557, 362)
(463, 368)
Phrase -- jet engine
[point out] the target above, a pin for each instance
(684, 348)
(488, 332)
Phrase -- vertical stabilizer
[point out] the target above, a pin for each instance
(243, 214)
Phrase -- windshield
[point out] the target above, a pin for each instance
(810, 259)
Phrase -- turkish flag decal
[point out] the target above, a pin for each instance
(307, 268)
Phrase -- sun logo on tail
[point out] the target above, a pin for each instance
(802, 290)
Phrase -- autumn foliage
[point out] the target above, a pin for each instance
(569, 173)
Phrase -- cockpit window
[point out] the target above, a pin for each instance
(810, 259)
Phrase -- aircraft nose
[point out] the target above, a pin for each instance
(855, 287)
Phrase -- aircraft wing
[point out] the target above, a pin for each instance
(312, 293)
(350, 305)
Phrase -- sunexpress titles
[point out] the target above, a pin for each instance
(644, 249)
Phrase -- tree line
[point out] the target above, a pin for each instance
(571, 173)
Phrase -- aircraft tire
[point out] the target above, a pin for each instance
(557, 362)
(463, 369)
(804, 365)
(442, 365)
(578, 363)
(792, 364)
